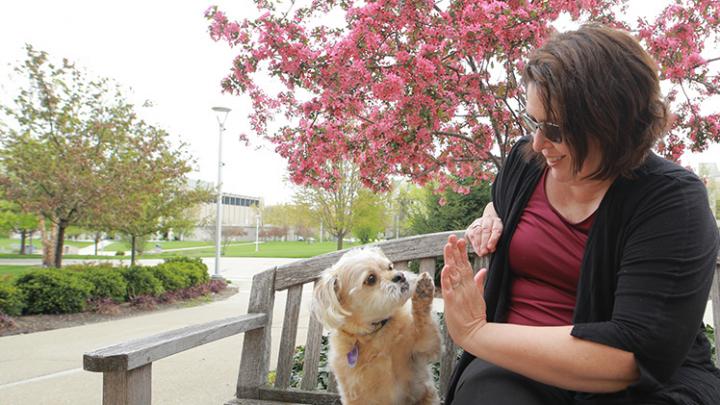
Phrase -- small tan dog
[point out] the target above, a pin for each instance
(380, 345)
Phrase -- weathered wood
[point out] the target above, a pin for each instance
(300, 396)
(139, 352)
(254, 364)
(312, 354)
(332, 384)
(289, 335)
(715, 297)
(239, 401)
(448, 358)
(415, 247)
(402, 265)
(480, 262)
(428, 266)
(128, 387)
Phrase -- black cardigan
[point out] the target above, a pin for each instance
(644, 280)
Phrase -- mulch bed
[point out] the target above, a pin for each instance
(38, 323)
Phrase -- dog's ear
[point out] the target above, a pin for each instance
(326, 305)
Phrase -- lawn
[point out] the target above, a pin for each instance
(267, 249)
(124, 246)
(13, 271)
(238, 249)
(7, 244)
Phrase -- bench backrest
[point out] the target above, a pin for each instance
(424, 249)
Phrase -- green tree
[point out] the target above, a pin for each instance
(449, 210)
(334, 200)
(369, 215)
(14, 219)
(73, 149)
(164, 200)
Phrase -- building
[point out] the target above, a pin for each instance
(240, 216)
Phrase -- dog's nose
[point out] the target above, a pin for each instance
(399, 278)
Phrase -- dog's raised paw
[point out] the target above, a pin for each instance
(424, 288)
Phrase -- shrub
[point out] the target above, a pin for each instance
(710, 333)
(119, 253)
(12, 301)
(142, 281)
(54, 291)
(192, 267)
(173, 276)
(108, 281)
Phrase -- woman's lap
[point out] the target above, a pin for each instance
(485, 383)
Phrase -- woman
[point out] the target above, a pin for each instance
(604, 252)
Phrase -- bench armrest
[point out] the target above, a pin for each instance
(139, 352)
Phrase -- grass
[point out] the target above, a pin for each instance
(267, 249)
(274, 249)
(7, 244)
(124, 246)
(14, 271)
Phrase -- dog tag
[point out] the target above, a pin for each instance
(352, 356)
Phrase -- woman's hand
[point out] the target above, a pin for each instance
(485, 231)
(465, 311)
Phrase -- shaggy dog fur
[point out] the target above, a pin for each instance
(380, 344)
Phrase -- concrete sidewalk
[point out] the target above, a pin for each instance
(46, 367)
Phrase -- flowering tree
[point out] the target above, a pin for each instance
(430, 89)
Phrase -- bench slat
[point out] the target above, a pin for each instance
(312, 354)
(428, 266)
(402, 265)
(255, 360)
(289, 335)
(411, 248)
(139, 352)
(299, 396)
(447, 358)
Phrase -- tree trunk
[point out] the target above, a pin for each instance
(47, 238)
(59, 242)
(132, 250)
(97, 240)
(23, 235)
(340, 238)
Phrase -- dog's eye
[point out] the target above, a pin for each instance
(371, 280)
(390, 266)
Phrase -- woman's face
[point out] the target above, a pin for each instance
(558, 156)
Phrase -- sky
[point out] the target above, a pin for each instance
(160, 51)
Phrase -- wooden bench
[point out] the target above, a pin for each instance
(127, 367)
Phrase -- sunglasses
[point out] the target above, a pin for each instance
(551, 131)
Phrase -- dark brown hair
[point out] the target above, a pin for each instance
(599, 83)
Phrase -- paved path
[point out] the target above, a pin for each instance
(46, 367)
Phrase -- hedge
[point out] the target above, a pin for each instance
(70, 289)
(54, 291)
(12, 300)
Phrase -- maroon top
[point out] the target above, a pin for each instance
(546, 252)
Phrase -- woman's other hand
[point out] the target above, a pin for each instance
(485, 231)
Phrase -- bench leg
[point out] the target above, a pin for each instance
(128, 387)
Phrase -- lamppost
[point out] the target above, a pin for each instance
(218, 218)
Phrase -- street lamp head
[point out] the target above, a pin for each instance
(221, 109)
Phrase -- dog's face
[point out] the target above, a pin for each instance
(361, 287)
